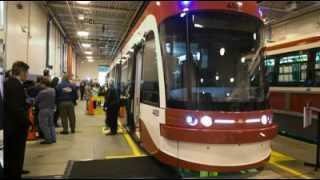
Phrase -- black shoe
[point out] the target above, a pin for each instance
(73, 131)
(45, 142)
(25, 172)
(64, 132)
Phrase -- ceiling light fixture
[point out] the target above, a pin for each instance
(86, 45)
(90, 60)
(81, 17)
(83, 33)
(83, 2)
(88, 52)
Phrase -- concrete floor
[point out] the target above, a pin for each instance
(89, 143)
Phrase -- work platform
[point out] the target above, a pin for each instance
(89, 153)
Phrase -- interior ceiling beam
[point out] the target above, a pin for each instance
(99, 40)
(292, 15)
(94, 36)
(130, 25)
(92, 15)
(95, 26)
(93, 8)
(96, 20)
(275, 9)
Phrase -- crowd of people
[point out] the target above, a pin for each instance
(49, 99)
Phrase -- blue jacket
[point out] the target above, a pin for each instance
(66, 92)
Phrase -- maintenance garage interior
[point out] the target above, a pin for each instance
(163, 89)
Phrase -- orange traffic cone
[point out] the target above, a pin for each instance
(122, 112)
(90, 106)
(32, 134)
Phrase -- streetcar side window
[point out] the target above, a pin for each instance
(299, 68)
(149, 83)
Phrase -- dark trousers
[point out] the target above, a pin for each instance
(82, 94)
(56, 116)
(14, 151)
(67, 114)
(112, 117)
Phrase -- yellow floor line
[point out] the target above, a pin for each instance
(32, 142)
(122, 156)
(277, 157)
(135, 149)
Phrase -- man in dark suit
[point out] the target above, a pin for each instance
(1, 120)
(112, 106)
(1, 98)
(16, 123)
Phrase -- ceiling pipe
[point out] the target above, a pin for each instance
(75, 24)
(311, 9)
(45, 5)
(96, 8)
(275, 9)
(131, 24)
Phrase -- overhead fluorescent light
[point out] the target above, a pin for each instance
(88, 52)
(83, 33)
(83, 2)
(89, 57)
(86, 45)
(81, 17)
(90, 60)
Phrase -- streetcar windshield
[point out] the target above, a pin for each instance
(213, 61)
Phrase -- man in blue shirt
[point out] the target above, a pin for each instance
(66, 97)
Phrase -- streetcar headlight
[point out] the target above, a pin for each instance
(206, 121)
(191, 121)
(264, 119)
